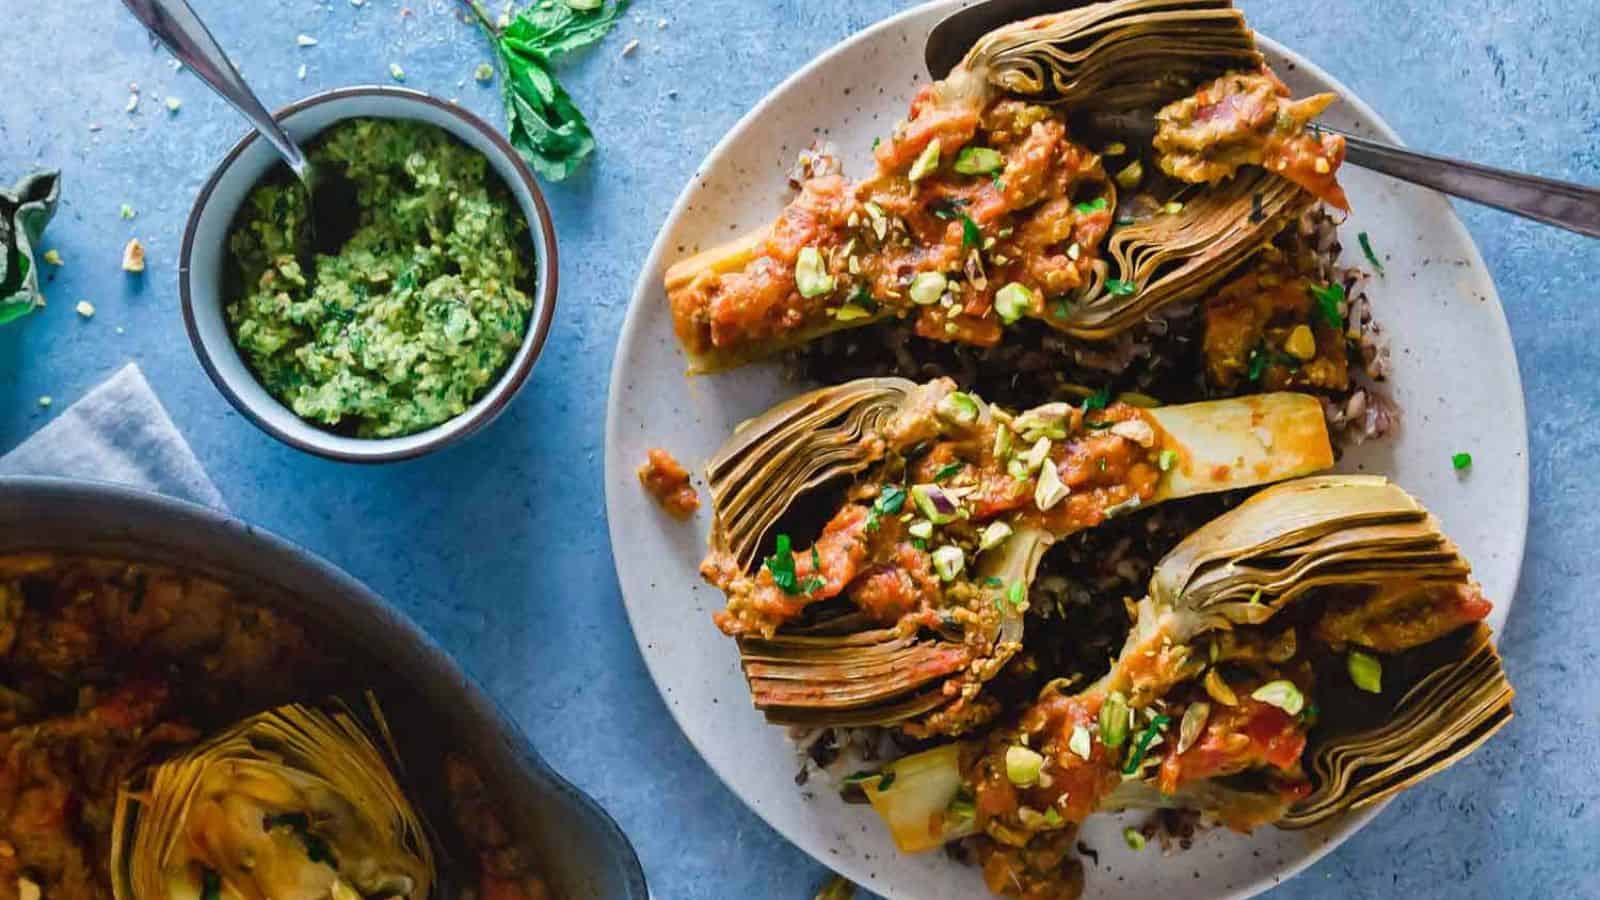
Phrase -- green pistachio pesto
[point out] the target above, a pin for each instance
(420, 310)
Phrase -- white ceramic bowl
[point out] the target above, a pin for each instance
(203, 259)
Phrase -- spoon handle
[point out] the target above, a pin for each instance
(1560, 203)
(176, 26)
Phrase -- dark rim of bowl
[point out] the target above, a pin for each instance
(510, 381)
(77, 491)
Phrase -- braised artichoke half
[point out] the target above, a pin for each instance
(995, 202)
(297, 803)
(1314, 651)
(913, 594)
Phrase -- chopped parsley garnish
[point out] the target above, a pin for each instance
(210, 885)
(876, 141)
(994, 581)
(1366, 248)
(1328, 298)
(970, 235)
(920, 544)
(781, 565)
(1256, 212)
(1125, 220)
(1119, 288)
(1097, 400)
(885, 781)
(948, 470)
(890, 501)
(1136, 758)
(1093, 206)
(815, 582)
(863, 298)
(1257, 364)
(1017, 594)
(1062, 309)
(1461, 461)
(999, 183)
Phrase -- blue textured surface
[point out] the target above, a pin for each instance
(499, 547)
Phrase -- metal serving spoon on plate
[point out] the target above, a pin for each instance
(1574, 207)
(179, 29)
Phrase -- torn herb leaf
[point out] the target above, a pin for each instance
(1366, 248)
(545, 126)
(1328, 298)
(781, 565)
(25, 209)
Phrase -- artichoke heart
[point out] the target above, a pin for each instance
(1284, 738)
(296, 803)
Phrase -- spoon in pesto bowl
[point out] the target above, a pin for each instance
(175, 24)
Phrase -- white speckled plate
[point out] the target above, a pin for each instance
(1455, 378)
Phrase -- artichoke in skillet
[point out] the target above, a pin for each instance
(297, 803)
(914, 593)
(1314, 651)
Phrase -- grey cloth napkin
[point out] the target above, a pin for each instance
(117, 432)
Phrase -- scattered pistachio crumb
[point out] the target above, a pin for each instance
(397, 73)
(305, 40)
(120, 330)
(174, 104)
(133, 102)
(661, 23)
(85, 309)
(358, 2)
(133, 256)
(53, 257)
(301, 74)
(45, 400)
(484, 72)
(629, 47)
(127, 211)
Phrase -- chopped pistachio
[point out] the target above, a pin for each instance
(629, 48)
(1079, 742)
(949, 561)
(1167, 460)
(1133, 838)
(133, 256)
(850, 313)
(1283, 694)
(1002, 441)
(85, 309)
(928, 287)
(1366, 672)
(1131, 175)
(1193, 724)
(174, 104)
(1114, 720)
(1116, 148)
(45, 400)
(53, 257)
(993, 535)
(483, 73)
(1218, 688)
(305, 40)
(926, 161)
(397, 73)
(811, 278)
(979, 161)
(1013, 301)
(133, 102)
(127, 211)
(1172, 208)
(1023, 765)
(301, 72)
(1049, 490)
(957, 408)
